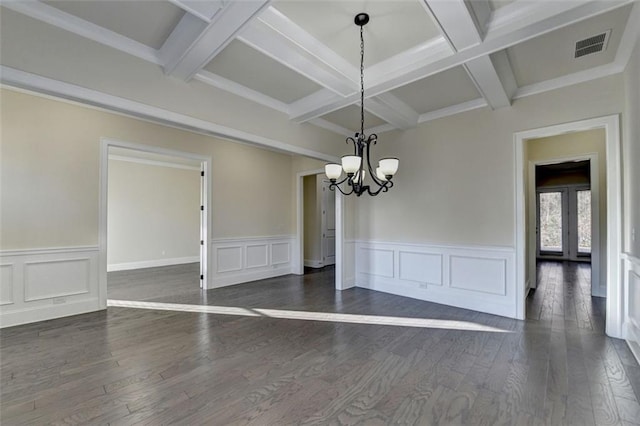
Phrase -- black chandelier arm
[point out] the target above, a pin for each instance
(383, 188)
(373, 138)
(333, 186)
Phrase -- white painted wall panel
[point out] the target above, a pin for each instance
(377, 262)
(229, 259)
(257, 255)
(280, 253)
(485, 275)
(56, 278)
(421, 267)
(6, 284)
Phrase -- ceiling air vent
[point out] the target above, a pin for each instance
(594, 44)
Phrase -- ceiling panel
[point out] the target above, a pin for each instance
(497, 4)
(395, 26)
(438, 91)
(552, 55)
(255, 70)
(148, 22)
(349, 118)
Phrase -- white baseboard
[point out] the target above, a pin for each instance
(152, 263)
(313, 263)
(29, 315)
(42, 284)
(239, 260)
(477, 278)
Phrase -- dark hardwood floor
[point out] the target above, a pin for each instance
(141, 366)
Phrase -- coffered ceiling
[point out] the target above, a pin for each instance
(424, 59)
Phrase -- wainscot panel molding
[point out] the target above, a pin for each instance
(481, 278)
(239, 260)
(631, 287)
(42, 284)
(151, 263)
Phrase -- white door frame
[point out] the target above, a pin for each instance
(298, 263)
(105, 144)
(595, 218)
(611, 125)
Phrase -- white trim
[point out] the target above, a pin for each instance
(151, 263)
(56, 17)
(204, 10)
(47, 250)
(149, 162)
(611, 124)
(378, 129)
(597, 289)
(310, 263)
(206, 226)
(36, 314)
(20, 79)
(237, 89)
(321, 122)
(226, 240)
(452, 110)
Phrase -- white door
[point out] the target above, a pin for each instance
(328, 210)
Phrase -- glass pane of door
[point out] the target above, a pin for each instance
(584, 221)
(551, 221)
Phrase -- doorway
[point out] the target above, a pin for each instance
(319, 222)
(610, 221)
(154, 217)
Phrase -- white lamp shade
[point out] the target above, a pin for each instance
(389, 166)
(332, 170)
(351, 163)
(380, 175)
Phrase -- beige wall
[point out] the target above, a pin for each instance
(573, 145)
(49, 161)
(457, 174)
(631, 154)
(153, 212)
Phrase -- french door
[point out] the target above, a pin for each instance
(564, 222)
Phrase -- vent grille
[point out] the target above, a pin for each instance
(591, 45)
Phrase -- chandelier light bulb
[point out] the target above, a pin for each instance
(389, 166)
(333, 171)
(351, 163)
(380, 175)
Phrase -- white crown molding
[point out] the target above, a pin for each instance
(222, 83)
(452, 110)
(150, 162)
(58, 18)
(21, 79)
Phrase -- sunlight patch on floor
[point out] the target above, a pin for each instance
(311, 316)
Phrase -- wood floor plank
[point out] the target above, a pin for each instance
(136, 366)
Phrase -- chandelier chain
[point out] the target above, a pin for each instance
(361, 82)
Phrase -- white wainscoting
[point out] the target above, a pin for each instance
(152, 263)
(42, 284)
(239, 260)
(631, 287)
(477, 278)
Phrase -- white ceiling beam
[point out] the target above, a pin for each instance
(192, 45)
(278, 37)
(392, 110)
(73, 24)
(415, 64)
(204, 10)
(460, 26)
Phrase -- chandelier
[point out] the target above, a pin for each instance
(356, 166)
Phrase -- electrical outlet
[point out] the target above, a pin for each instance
(59, 300)
(423, 285)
